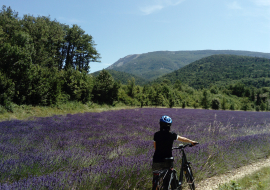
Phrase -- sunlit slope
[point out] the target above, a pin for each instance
(155, 64)
(223, 70)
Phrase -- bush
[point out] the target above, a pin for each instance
(195, 104)
(105, 89)
(223, 104)
(246, 107)
(7, 90)
(78, 85)
(183, 104)
(44, 86)
(214, 90)
(205, 99)
(171, 102)
(232, 107)
(262, 106)
(127, 100)
(2, 109)
(215, 104)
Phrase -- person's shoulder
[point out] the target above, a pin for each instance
(157, 132)
(173, 133)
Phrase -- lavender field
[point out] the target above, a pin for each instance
(113, 149)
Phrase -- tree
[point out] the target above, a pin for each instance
(178, 85)
(78, 85)
(152, 95)
(78, 49)
(258, 97)
(195, 104)
(9, 22)
(215, 104)
(252, 95)
(47, 37)
(131, 87)
(214, 90)
(142, 98)
(223, 104)
(166, 91)
(238, 89)
(166, 81)
(245, 105)
(183, 104)
(171, 101)
(160, 99)
(16, 46)
(105, 90)
(7, 91)
(205, 99)
(262, 106)
(16, 52)
(232, 107)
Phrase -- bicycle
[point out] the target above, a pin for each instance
(166, 179)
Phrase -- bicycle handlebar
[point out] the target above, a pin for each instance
(181, 146)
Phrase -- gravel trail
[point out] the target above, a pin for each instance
(213, 182)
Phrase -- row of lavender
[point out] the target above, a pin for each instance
(114, 149)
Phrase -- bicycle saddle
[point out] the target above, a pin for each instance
(170, 159)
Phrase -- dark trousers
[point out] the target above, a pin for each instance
(161, 165)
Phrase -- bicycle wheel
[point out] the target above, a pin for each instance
(158, 183)
(190, 178)
(162, 184)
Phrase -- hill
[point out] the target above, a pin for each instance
(155, 64)
(223, 70)
(123, 77)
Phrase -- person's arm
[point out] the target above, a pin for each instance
(184, 139)
(155, 145)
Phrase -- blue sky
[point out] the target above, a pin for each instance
(124, 27)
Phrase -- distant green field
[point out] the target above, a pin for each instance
(27, 111)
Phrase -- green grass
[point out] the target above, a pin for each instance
(23, 112)
(258, 180)
(27, 111)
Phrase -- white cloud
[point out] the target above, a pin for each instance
(234, 5)
(150, 9)
(157, 5)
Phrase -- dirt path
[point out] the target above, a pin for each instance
(213, 182)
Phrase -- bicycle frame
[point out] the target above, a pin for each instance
(184, 165)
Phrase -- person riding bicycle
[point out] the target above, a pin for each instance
(163, 142)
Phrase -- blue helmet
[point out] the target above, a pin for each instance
(165, 119)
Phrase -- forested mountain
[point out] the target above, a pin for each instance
(223, 70)
(155, 64)
(123, 77)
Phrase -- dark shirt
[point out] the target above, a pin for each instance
(164, 142)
